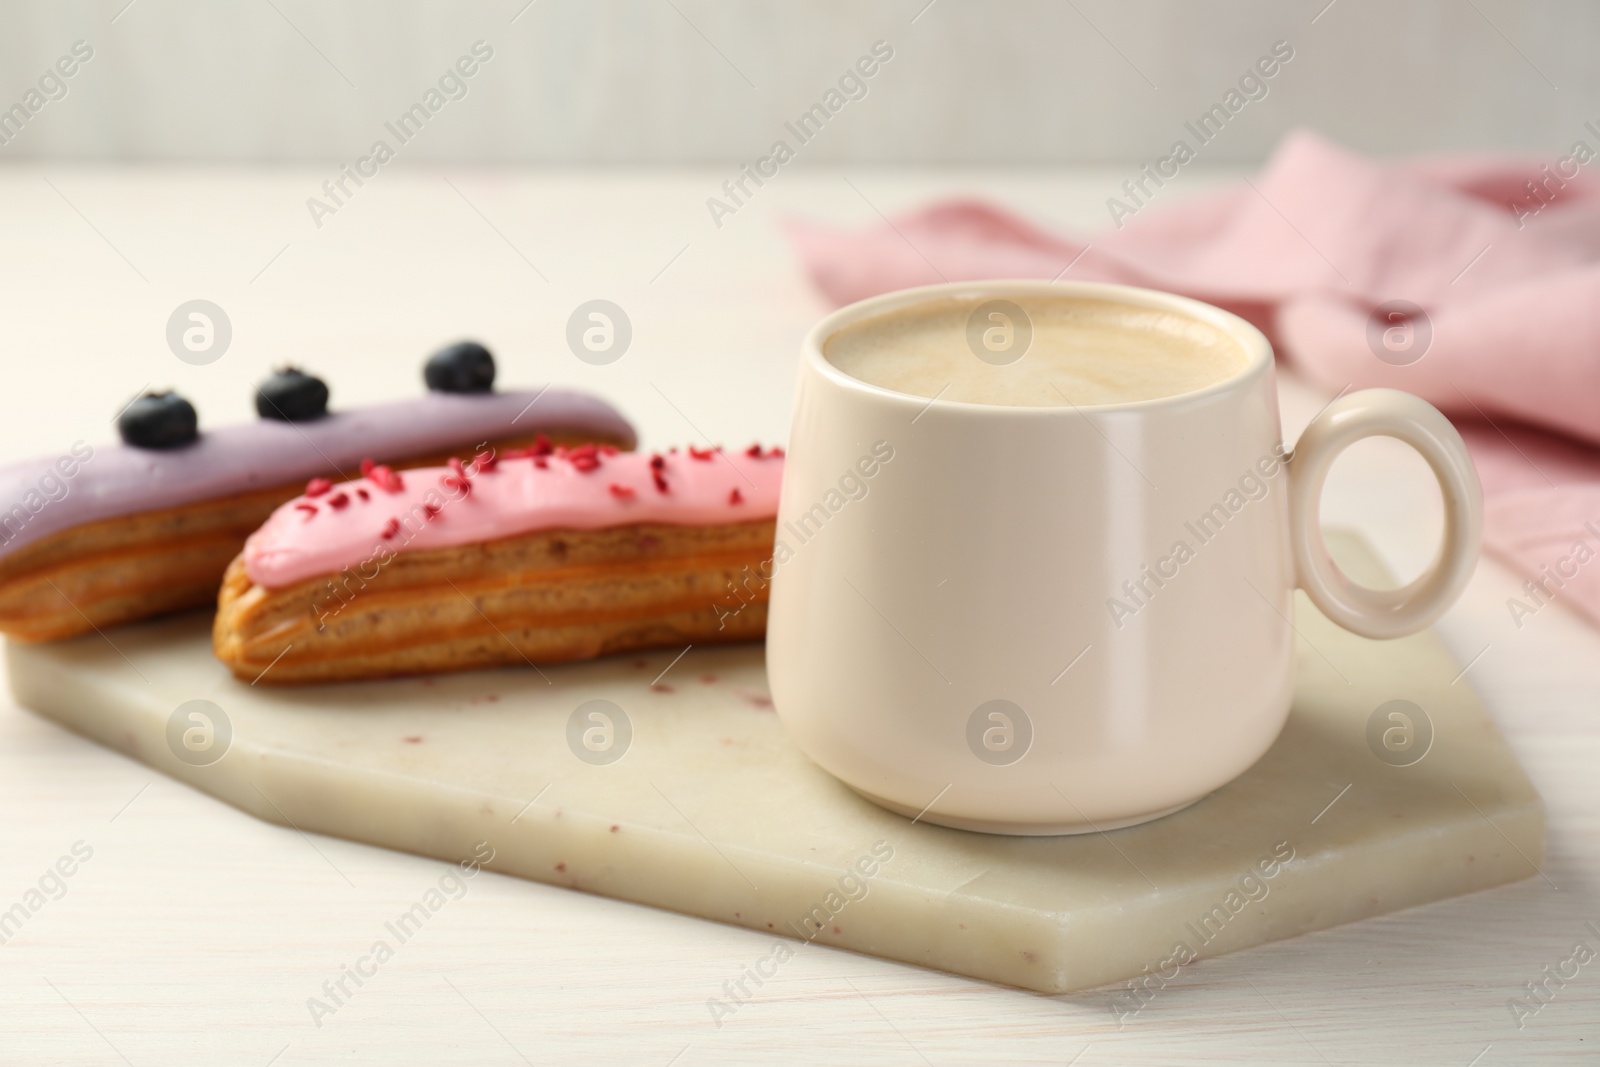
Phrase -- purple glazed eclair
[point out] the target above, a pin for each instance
(105, 535)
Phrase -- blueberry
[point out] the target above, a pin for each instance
(292, 395)
(159, 420)
(464, 367)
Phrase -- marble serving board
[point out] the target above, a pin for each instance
(712, 812)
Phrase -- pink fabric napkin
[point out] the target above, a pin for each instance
(1502, 256)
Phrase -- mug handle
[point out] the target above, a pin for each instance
(1384, 613)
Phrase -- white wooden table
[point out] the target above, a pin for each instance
(196, 934)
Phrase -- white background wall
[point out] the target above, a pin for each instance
(683, 81)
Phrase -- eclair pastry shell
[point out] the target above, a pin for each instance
(541, 597)
(111, 571)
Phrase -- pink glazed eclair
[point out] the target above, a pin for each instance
(113, 534)
(531, 556)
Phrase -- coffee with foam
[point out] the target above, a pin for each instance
(1082, 352)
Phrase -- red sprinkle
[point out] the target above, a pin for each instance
(485, 462)
(754, 451)
(657, 462)
(621, 492)
(363, 494)
(431, 510)
(383, 477)
(696, 453)
(585, 458)
(660, 480)
(339, 500)
(309, 509)
(608, 450)
(776, 452)
(318, 486)
(541, 445)
(366, 467)
(541, 463)
(735, 497)
(391, 528)
(457, 478)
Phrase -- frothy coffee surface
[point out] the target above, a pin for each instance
(1082, 352)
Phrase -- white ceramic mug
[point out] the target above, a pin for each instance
(980, 615)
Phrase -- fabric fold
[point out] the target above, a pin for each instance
(1471, 281)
